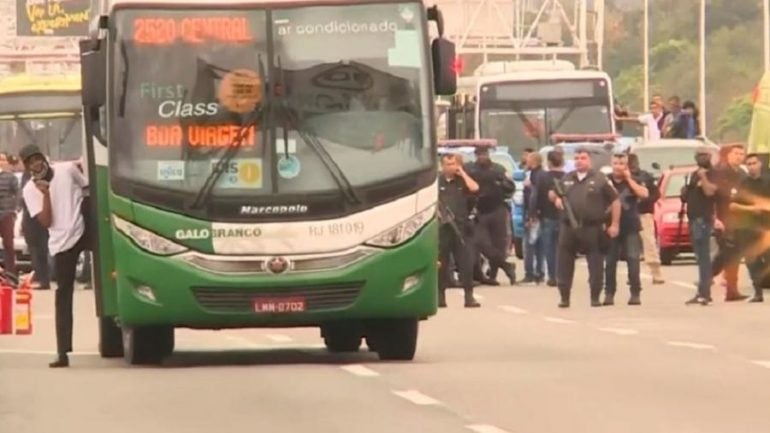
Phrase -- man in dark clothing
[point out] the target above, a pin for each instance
(546, 213)
(729, 176)
(646, 208)
(699, 196)
(36, 238)
(455, 232)
(589, 195)
(491, 231)
(750, 207)
(9, 200)
(630, 190)
(534, 256)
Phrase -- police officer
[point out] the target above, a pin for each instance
(751, 206)
(455, 231)
(630, 191)
(584, 195)
(491, 232)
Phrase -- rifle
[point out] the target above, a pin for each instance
(681, 214)
(445, 215)
(573, 222)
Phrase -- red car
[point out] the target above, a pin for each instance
(671, 230)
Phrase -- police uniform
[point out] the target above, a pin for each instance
(589, 199)
(455, 234)
(628, 243)
(491, 231)
(750, 229)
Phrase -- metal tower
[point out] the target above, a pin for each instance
(486, 30)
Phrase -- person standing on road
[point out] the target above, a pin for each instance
(548, 216)
(9, 200)
(491, 232)
(751, 208)
(587, 196)
(699, 196)
(729, 176)
(628, 242)
(647, 216)
(54, 197)
(36, 238)
(455, 232)
(534, 256)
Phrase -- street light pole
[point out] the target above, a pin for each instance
(702, 68)
(646, 51)
(766, 13)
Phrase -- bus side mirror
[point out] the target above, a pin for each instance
(93, 72)
(444, 76)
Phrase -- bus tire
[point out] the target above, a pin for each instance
(341, 337)
(110, 338)
(395, 339)
(147, 345)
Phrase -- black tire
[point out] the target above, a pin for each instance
(147, 345)
(342, 337)
(110, 338)
(667, 256)
(518, 245)
(395, 339)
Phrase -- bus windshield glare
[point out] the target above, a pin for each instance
(190, 85)
(524, 114)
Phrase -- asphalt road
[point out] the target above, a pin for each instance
(517, 365)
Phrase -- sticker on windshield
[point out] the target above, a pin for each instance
(243, 173)
(170, 170)
(406, 53)
(240, 91)
(289, 167)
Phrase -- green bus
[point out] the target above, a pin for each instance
(264, 164)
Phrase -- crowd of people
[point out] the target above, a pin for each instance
(669, 119)
(608, 219)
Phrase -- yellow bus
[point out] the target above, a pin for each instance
(42, 109)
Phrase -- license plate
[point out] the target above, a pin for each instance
(280, 305)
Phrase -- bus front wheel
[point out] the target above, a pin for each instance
(394, 339)
(341, 336)
(110, 338)
(148, 344)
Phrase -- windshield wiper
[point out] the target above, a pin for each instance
(311, 139)
(124, 82)
(230, 151)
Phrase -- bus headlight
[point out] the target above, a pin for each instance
(404, 231)
(146, 239)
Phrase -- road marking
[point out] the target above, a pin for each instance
(558, 320)
(512, 309)
(685, 285)
(620, 331)
(278, 338)
(485, 428)
(690, 345)
(360, 370)
(42, 352)
(765, 364)
(416, 397)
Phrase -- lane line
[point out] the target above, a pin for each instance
(278, 338)
(360, 370)
(485, 428)
(691, 345)
(512, 309)
(558, 320)
(620, 331)
(765, 364)
(417, 397)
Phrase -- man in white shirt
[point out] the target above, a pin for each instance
(652, 120)
(54, 197)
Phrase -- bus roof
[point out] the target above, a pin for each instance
(113, 4)
(27, 83)
(481, 143)
(543, 76)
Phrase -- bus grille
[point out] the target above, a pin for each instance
(241, 300)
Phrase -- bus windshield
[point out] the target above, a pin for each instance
(190, 85)
(522, 114)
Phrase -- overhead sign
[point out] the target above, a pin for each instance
(52, 17)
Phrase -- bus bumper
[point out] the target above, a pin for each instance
(392, 283)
